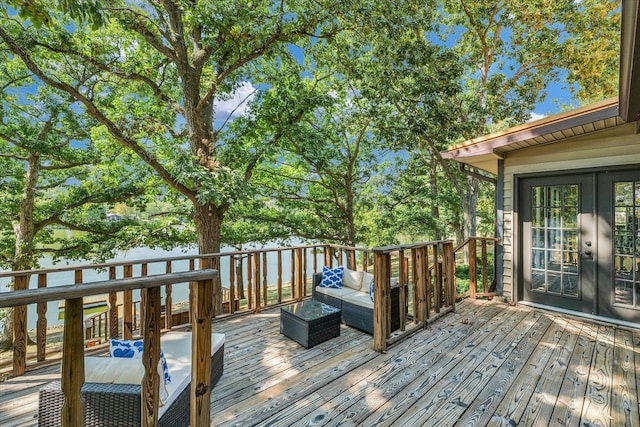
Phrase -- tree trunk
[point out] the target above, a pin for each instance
(470, 206)
(24, 232)
(435, 211)
(208, 222)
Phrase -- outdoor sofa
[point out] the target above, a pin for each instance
(110, 398)
(353, 297)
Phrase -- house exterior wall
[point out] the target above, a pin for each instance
(612, 147)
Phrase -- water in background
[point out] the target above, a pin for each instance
(180, 292)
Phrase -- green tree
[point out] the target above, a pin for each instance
(54, 176)
(493, 62)
(159, 69)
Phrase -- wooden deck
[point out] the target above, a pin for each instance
(486, 364)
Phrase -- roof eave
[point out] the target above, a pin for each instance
(629, 85)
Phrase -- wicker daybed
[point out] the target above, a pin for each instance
(116, 404)
(356, 304)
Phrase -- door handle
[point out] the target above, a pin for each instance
(587, 252)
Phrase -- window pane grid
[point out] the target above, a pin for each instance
(554, 266)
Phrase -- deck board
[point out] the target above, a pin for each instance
(486, 364)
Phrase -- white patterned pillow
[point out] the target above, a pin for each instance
(133, 349)
(331, 277)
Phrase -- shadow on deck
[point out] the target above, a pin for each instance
(485, 364)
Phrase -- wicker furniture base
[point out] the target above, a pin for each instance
(118, 405)
(310, 322)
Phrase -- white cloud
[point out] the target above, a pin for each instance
(536, 116)
(237, 104)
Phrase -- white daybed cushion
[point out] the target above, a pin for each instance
(335, 292)
(359, 298)
(352, 279)
(176, 346)
(113, 370)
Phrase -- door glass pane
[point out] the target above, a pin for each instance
(554, 237)
(626, 236)
(570, 284)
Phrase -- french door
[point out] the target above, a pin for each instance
(580, 242)
(558, 241)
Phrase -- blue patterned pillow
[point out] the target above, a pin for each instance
(133, 349)
(331, 277)
(371, 290)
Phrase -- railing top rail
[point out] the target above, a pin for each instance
(350, 248)
(4, 274)
(466, 242)
(388, 249)
(57, 293)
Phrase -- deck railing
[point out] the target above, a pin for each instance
(482, 266)
(426, 275)
(254, 279)
(250, 280)
(72, 376)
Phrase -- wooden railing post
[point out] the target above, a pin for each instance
(450, 275)
(41, 328)
(328, 256)
(382, 300)
(485, 284)
(299, 274)
(200, 410)
(249, 282)
(72, 376)
(127, 306)
(20, 330)
(168, 301)
(402, 282)
(256, 275)
(279, 284)
(232, 284)
(352, 259)
(292, 274)
(151, 357)
(144, 269)
(421, 284)
(414, 283)
(112, 304)
(473, 273)
(437, 277)
(265, 281)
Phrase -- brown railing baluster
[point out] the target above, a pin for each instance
(314, 251)
(143, 295)
(127, 306)
(232, 284)
(473, 273)
(402, 282)
(249, 282)
(293, 274)
(113, 307)
(256, 275)
(299, 278)
(279, 276)
(168, 301)
(41, 326)
(485, 284)
(265, 283)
